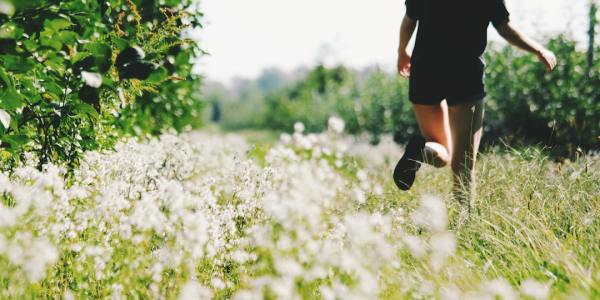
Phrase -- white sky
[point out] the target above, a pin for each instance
(245, 36)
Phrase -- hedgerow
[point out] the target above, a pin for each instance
(77, 75)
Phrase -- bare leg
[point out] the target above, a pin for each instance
(434, 125)
(466, 122)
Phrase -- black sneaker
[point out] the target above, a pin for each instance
(409, 164)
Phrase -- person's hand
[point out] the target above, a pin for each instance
(404, 64)
(548, 58)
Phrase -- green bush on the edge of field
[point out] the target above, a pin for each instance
(559, 109)
(76, 75)
(525, 104)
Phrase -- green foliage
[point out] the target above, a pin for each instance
(375, 104)
(529, 105)
(525, 105)
(311, 101)
(67, 84)
(384, 107)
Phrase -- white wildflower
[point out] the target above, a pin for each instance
(417, 246)
(360, 196)
(285, 138)
(431, 214)
(288, 267)
(535, 289)
(6, 8)
(443, 245)
(69, 295)
(217, 283)
(499, 288)
(450, 292)
(299, 127)
(116, 291)
(240, 256)
(361, 175)
(4, 119)
(32, 254)
(92, 79)
(193, 290)
(336, 124)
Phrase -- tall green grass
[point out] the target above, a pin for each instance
(532, 218)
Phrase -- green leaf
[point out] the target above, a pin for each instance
(16, 140)
(27, 86)
(53, 87)
(51, 96)
(86, 109)
(56, 66)
(120, 43)
(67, 37)
(159, 75)
(50, 41)
(102, 55)
(106, 81)
(79, 56)
(17, 64)
(21, 5)
(182, 58)
(5, 80)
(10, 31)
(30, 44)
(11, 100)
(57, 24)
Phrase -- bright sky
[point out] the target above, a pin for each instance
(243, 37)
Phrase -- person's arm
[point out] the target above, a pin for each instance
(406, 31)
(517, 38)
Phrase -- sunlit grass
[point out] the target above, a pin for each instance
(532, 218)
(211, 216)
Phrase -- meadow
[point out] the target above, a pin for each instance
(112, 186)
(307, 216)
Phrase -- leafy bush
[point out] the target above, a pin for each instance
(376, 104)
(525, 105)
(529, 105)
(76, 74)
(312, 101)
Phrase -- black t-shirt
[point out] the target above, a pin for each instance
(454, 29)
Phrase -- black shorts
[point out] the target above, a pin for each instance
(458, 81)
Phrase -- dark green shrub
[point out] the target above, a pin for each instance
(375, 104)
(323, 93)
(72, 80)
(385, 107)
(527, 105)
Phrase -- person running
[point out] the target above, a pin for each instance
(446, 86)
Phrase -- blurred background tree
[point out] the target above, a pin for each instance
(525, 105)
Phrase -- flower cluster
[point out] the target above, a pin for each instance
(194, 216)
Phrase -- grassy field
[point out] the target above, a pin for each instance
(250, 216)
